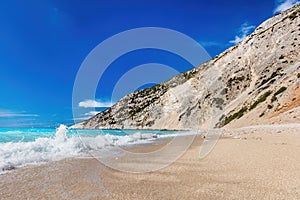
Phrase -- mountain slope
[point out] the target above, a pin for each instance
(254, 82)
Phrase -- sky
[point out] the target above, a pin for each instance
(44, 42)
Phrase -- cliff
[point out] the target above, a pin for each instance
(255, 82)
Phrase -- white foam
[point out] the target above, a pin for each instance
(15, 154)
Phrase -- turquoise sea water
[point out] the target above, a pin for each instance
(31, 134)
(23, 146)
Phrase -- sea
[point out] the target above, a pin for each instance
(30, 146)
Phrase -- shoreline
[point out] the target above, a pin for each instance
(256, 163)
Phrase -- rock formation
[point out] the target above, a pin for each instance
(255, 82)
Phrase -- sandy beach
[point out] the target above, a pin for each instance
(150, 100)
(254, 163)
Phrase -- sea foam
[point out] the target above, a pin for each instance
(61, 146)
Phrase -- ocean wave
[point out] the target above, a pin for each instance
(61, 146)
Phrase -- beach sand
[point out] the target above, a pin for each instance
(256, 163)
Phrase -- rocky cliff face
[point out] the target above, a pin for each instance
(254, 82)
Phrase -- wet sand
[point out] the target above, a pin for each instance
(254, 164)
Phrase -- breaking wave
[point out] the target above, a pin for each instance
(62, 145)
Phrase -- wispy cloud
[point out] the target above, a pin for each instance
(284, 5)
(244, 30)
(16, 114)
(91, 113)
(86, 116)
(80, 118)
(209, 43)
(13, 118)
(94, 104)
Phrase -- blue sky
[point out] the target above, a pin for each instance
(43, 43)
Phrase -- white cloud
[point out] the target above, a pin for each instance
(81, 118)
(87, 115)
(94, 104)
(16, 114)
(91, 113)
(284, 5)
(244, 30)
